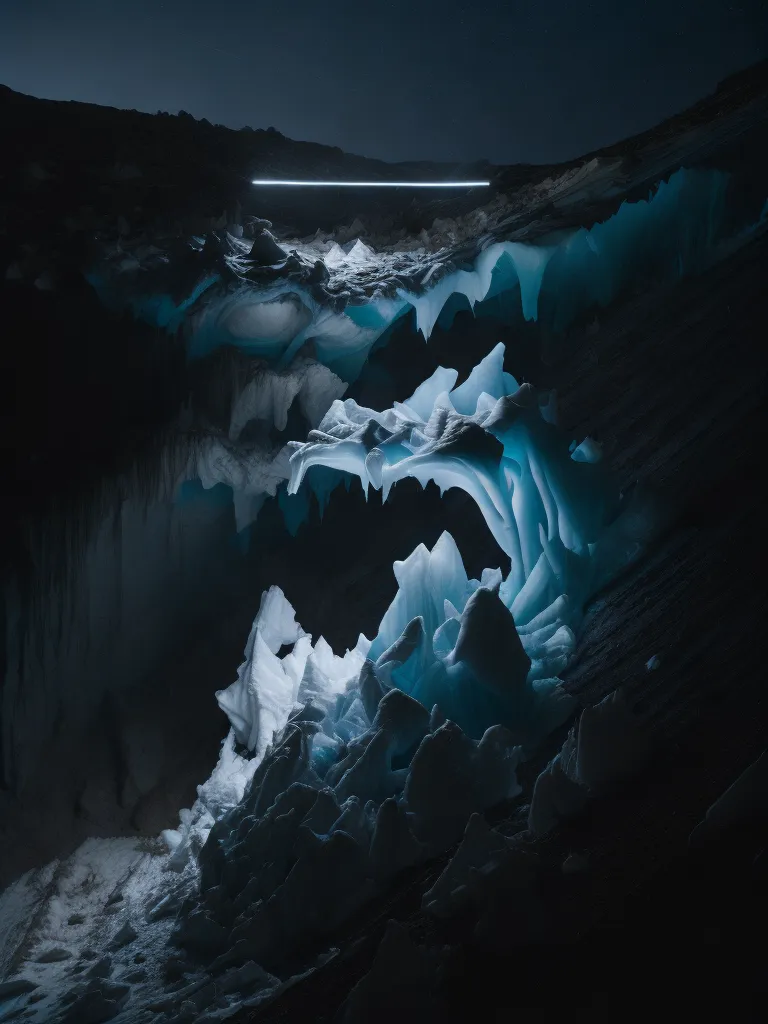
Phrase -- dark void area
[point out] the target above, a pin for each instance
(337, 572)
(86, 395)
(99, 162)
(685, 940)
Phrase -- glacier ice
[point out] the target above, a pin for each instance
(269, 395)
(340, 772)
(254, 470)
(558, 278)
(298, 854)
(359, 766)
(260, 701)
(559, 518)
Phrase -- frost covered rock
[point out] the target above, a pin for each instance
(100, 1001)
(253, 474)
(270, 393)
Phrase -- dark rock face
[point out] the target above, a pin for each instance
(265, 250)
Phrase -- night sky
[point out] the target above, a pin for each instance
(507, 80)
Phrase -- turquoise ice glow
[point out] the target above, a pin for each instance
(555, 280)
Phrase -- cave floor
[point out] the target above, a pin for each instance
(673, 384)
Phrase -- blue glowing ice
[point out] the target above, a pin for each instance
(558, 278)
(484, 651)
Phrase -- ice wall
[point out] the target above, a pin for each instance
(541, 496)
(554, 280)
(485, 651)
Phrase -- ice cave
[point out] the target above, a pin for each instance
(381, 580)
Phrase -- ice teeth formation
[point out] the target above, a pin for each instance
(255, 470)
(372, 761)
(345, 299)
(297, 854)
(553, 510)
(338, 773)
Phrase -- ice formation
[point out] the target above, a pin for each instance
(558, 517)
(255, 469)
(269, 395)
(344, 299)
(325, 837)
(339, 772)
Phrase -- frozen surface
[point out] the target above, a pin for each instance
(340, 772)
(557, 515)
(344, 298)
(94, 949)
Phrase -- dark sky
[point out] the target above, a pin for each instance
(506, 80)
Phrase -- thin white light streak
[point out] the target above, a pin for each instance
(376, 184)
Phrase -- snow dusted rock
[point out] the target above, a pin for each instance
(16, 987)
(124, 935)
(53, 955)
(99, 1002)
(101, 969)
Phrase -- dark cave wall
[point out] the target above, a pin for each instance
(104, 579)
